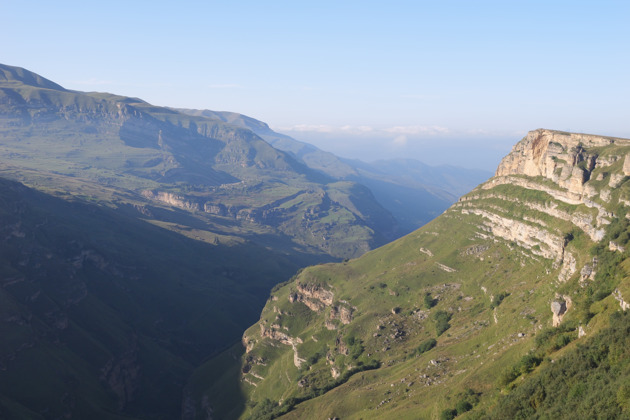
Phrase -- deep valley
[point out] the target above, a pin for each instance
(162, 263)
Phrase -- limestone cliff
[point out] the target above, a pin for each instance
(572, 176)
(517, 268)
(542, 152)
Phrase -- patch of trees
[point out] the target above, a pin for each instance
(441, 319)
(465, 402)
(589, 381)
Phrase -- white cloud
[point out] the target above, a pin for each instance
(302, 128)
(417, 129)
(366, 130)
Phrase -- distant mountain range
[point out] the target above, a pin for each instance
(139, 240)
(413, 192)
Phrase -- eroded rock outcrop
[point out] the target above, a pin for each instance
(316, 291)
(614, 246)
(560, 165)
(559, 307)
(564, 159)
(248, 343)
(537, 239)
(588, 272)
(276, 335)
(624, 305)
(554, 155)
(342, 313)
(171, 199)
(315, 296)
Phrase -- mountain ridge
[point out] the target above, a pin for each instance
(21, 75)
(153, 151)
(529, 267)
(414, 196)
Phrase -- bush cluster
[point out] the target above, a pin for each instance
(590, 381)
(441, 319)
(465, 402)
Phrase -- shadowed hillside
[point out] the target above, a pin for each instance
(104, 313)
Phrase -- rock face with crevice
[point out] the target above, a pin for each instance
(559, 308)
(565, 179)
(315, 296)
(557, 156)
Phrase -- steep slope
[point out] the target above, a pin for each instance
(413, 192)
(319, 160)
(446, 320)
(226, 174)
(104, 315)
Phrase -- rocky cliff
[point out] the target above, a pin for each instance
(525, 265)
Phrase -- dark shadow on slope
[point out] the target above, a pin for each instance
(222, 397)
(108, 314)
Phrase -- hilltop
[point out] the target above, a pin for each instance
(473, 315)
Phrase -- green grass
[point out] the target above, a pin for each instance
(485, 331)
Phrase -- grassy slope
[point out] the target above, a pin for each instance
(488, 338)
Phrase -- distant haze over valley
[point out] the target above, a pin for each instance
(431, 145)
(248, 210)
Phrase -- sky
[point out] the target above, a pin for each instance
(444, 82)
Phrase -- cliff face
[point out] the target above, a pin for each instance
(521, 261)
(572, 169)
(567, 159)
(541, 151)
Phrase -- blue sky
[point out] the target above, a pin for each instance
(441, 81)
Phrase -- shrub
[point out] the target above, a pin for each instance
(528, 363)
(507, 377)
(463, 406)
(496, 301)
(448, 414)
(426, 345)
(442, 319)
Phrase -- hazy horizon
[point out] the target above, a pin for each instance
(459, 81)
(472, 152)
